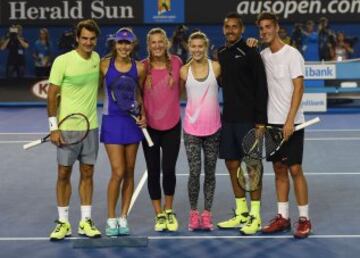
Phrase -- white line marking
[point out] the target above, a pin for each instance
(306, 173)
(138, 190)
(24, 133)
(191, 237)
(306, 139)
(333, 139)
(10, 142)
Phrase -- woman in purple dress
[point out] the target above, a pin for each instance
(120, 133)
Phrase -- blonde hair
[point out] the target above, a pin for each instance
(148, 80)
(199, 35)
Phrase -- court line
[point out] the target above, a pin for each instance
(306, 139)
(306, 173)
(138, 190)
(308, 130)
(192, 237)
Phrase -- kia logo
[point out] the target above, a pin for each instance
(40, 89)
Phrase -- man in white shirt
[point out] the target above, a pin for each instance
(284, 67)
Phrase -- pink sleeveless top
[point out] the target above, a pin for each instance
(202, 112)
(161, 101)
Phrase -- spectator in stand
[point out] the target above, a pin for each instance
(67, 41)
(284, 36)
(43, 53)
(310, 42)
(179, 43)
(342, 49)
(16, 44)
(326, 39)
(297, 37)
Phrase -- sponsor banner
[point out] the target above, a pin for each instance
(314, 102)
(66, 12)
(164, 11)
(320, 71)
(213, 11)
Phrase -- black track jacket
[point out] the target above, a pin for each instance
(244, 84)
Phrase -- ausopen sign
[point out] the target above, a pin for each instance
(66, 12)
(213, 11)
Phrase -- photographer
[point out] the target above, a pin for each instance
(16, 45)
(179, 43)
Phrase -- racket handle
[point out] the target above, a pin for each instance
(307, 123)
(147, 137)
(32, 144)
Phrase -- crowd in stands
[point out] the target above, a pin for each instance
(316, 42)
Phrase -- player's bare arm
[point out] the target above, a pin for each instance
(298, 83)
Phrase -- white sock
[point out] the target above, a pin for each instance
(85, 212)
(122, 221)
(112, 222)
(304, 211)
(283, 209)
(63, 213)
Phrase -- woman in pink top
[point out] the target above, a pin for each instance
(201, 126)
(161, 96)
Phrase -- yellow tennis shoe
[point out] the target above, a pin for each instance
(87, 228)
(235, 222)
(62, 230)
(171, 221)
(252, 226)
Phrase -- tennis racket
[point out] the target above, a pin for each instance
(123, 92)
(249, 174)
(70, 137)
(261, 144)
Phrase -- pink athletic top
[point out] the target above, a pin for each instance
(202, 112)
(161, 101)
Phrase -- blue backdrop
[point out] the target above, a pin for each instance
(214, 33)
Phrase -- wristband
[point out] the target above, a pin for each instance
(53, 125)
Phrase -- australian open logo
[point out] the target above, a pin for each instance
(164, 6)
(164, 11)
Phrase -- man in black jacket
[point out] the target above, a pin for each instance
(245, 103)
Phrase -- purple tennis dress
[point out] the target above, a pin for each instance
(118, 127)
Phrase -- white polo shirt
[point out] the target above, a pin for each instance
(281, 68)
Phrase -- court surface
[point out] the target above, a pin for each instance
(28, 209)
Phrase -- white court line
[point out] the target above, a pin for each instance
(306, 173)
(306, 139)
(191, 237)
(24, 133)
(138, 190)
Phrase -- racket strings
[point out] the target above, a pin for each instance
(253, 144)
(250, 175)
(273, 139)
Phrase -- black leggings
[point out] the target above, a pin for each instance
(169, 143)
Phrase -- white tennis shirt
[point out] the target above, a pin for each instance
(281, 68)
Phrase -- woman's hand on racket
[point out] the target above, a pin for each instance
(141, 121)
(55, 138)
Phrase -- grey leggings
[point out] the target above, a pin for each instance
(193, 146)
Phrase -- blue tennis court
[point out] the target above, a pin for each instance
(27, 199)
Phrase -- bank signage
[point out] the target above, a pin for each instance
(320, 71)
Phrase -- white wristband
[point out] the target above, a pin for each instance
(53, 125)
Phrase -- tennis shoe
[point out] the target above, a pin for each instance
(237, 221)
(171, 221)
(194, 220)
(160, 222)
(252, 226)
(123, 226)
(206, 221)
(303, 228)
(277, 224)
(88, 228)
(111, 231)
(62, 230)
